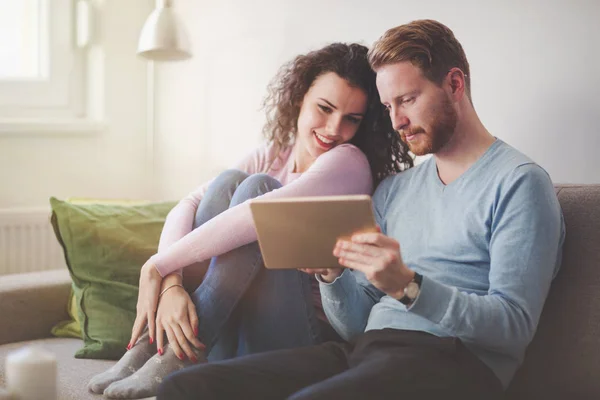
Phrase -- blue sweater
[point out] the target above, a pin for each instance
(488, 245)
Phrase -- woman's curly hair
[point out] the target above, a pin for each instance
(386, 153)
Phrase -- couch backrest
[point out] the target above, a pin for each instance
(563, 361)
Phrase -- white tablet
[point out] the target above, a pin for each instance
(301, 232)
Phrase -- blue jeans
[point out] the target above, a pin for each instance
(244, 308)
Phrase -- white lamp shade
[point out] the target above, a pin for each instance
(163, 37)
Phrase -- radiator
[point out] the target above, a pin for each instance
(27, 241)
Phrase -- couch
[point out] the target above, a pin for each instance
(562, 362)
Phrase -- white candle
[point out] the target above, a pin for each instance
(31, 374)
(4, 395)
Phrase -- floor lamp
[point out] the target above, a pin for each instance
(163, 38)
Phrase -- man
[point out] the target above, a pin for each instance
(444, 301)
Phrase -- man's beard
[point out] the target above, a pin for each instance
(442, 129)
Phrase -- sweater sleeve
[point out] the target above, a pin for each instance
(342, 170)
(348, 300)
(180, 220)
(525, 251)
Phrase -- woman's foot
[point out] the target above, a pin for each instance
(145, 381)
(131, 361)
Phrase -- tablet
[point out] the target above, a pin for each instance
(301, 232)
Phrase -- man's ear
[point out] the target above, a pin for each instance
(457, 82)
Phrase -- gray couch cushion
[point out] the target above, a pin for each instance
(39, 299)
(563, 360)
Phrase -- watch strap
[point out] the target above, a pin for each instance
(406, 300)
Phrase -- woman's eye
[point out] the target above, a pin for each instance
(354, 120)
(325, 108)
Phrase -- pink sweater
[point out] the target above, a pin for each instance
(342, 170)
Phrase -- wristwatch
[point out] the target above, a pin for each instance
(411, 291)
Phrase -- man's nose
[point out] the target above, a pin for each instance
(399, 119)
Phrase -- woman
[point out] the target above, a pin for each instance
(327, 134)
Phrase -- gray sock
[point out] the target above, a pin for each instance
(131, 361)
(145, 382)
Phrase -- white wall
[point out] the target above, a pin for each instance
(534, 75)
(110, 164)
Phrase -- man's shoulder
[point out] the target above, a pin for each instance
(514, 176)
(406, 176)
(509, 157)
(402, 182)
(511, 164)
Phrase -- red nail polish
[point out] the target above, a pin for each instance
(180, 356)
(196, 331)
(160, 352)
(151, 340)
(194, 359)
(129, 346)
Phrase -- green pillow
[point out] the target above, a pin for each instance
(105, 246)
(70, 328)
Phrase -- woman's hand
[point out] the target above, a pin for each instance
(176, 316)
(150, 281)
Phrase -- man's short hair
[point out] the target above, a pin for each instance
(428, 45)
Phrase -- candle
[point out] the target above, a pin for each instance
(31, 374)
(4, 395)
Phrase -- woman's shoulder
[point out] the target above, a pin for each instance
(264, 156)
(276, 157)
(346, 150)
(347, 153)
(273, 150)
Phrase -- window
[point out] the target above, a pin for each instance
(43, 79)
(24, 50)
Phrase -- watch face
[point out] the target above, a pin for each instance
(412, 290)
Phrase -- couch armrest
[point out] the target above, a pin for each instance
(32, 303)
